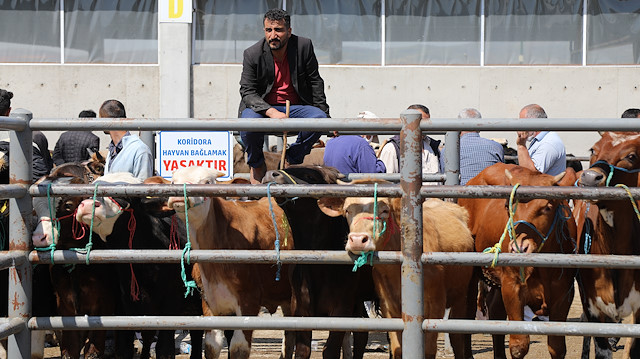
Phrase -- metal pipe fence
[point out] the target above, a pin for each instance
(410, 258)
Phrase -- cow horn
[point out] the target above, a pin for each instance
(338, 181)
(509, 175)
(557, 178)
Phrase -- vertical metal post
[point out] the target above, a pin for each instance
(452, 158)
(20, 276)
(148, 137)
(411, 225)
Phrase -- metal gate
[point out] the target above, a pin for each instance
(19, 324)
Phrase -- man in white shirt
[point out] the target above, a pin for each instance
(430, 150)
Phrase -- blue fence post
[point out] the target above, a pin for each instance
(20, 213)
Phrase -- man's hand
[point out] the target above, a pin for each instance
(273, 113)
(522, 138)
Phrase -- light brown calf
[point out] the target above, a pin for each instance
(444, 230)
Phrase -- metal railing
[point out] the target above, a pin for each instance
(411, 257)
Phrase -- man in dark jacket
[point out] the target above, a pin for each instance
(280, 67)
(74, 146)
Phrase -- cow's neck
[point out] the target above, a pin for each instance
(391, 240)
(220, 213)
(617, 221)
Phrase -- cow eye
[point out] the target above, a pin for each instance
(632, 157)
(592, 151)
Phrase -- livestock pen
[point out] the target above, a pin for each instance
(18, 325)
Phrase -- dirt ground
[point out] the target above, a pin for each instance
(266, 344)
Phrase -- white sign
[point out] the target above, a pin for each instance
(180, 149)
(175, 11)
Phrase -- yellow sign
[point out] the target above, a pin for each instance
(175, 11)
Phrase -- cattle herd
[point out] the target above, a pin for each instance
(355, 224)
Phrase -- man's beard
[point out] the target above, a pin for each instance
(277, 44)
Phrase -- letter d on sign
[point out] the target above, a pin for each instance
(175, 9)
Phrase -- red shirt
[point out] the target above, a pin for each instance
(282, 89)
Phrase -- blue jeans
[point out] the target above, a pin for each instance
(253, 141)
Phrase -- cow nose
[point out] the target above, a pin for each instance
(521, 247)
(272, 176)
(591, 178)
(39, 240)
(358, 238)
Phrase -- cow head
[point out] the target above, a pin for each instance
(302, 174)
(615, 159)
(535, 220)
(370, 222)
(105, 211)
(195, 204)
(62, 209)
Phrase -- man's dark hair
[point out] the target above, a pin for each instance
(112, 109)
(277, 15)
(5, 101)
(87, 113)
(631, 113)
(419, 107)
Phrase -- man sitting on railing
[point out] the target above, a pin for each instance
(280, 67)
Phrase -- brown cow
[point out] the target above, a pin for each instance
(540, 225)
(235, 289)
(444, 230)
(610, 227)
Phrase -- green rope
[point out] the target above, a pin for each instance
(365, 257)
(190, 285)
(497, 248)
(633, 202)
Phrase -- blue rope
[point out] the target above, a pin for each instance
(275, 227)
(189, 285)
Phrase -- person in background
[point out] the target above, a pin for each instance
(373, 140)
(631, 113)
(41, 159)
(546, 152)
(476, 153)
(280, 67)
(76, 146)
(390, 152)
(127, 152)
(352, 154)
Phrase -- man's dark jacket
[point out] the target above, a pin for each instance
(72, 147)
(258, 75)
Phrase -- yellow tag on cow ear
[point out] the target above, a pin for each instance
(5, 206)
